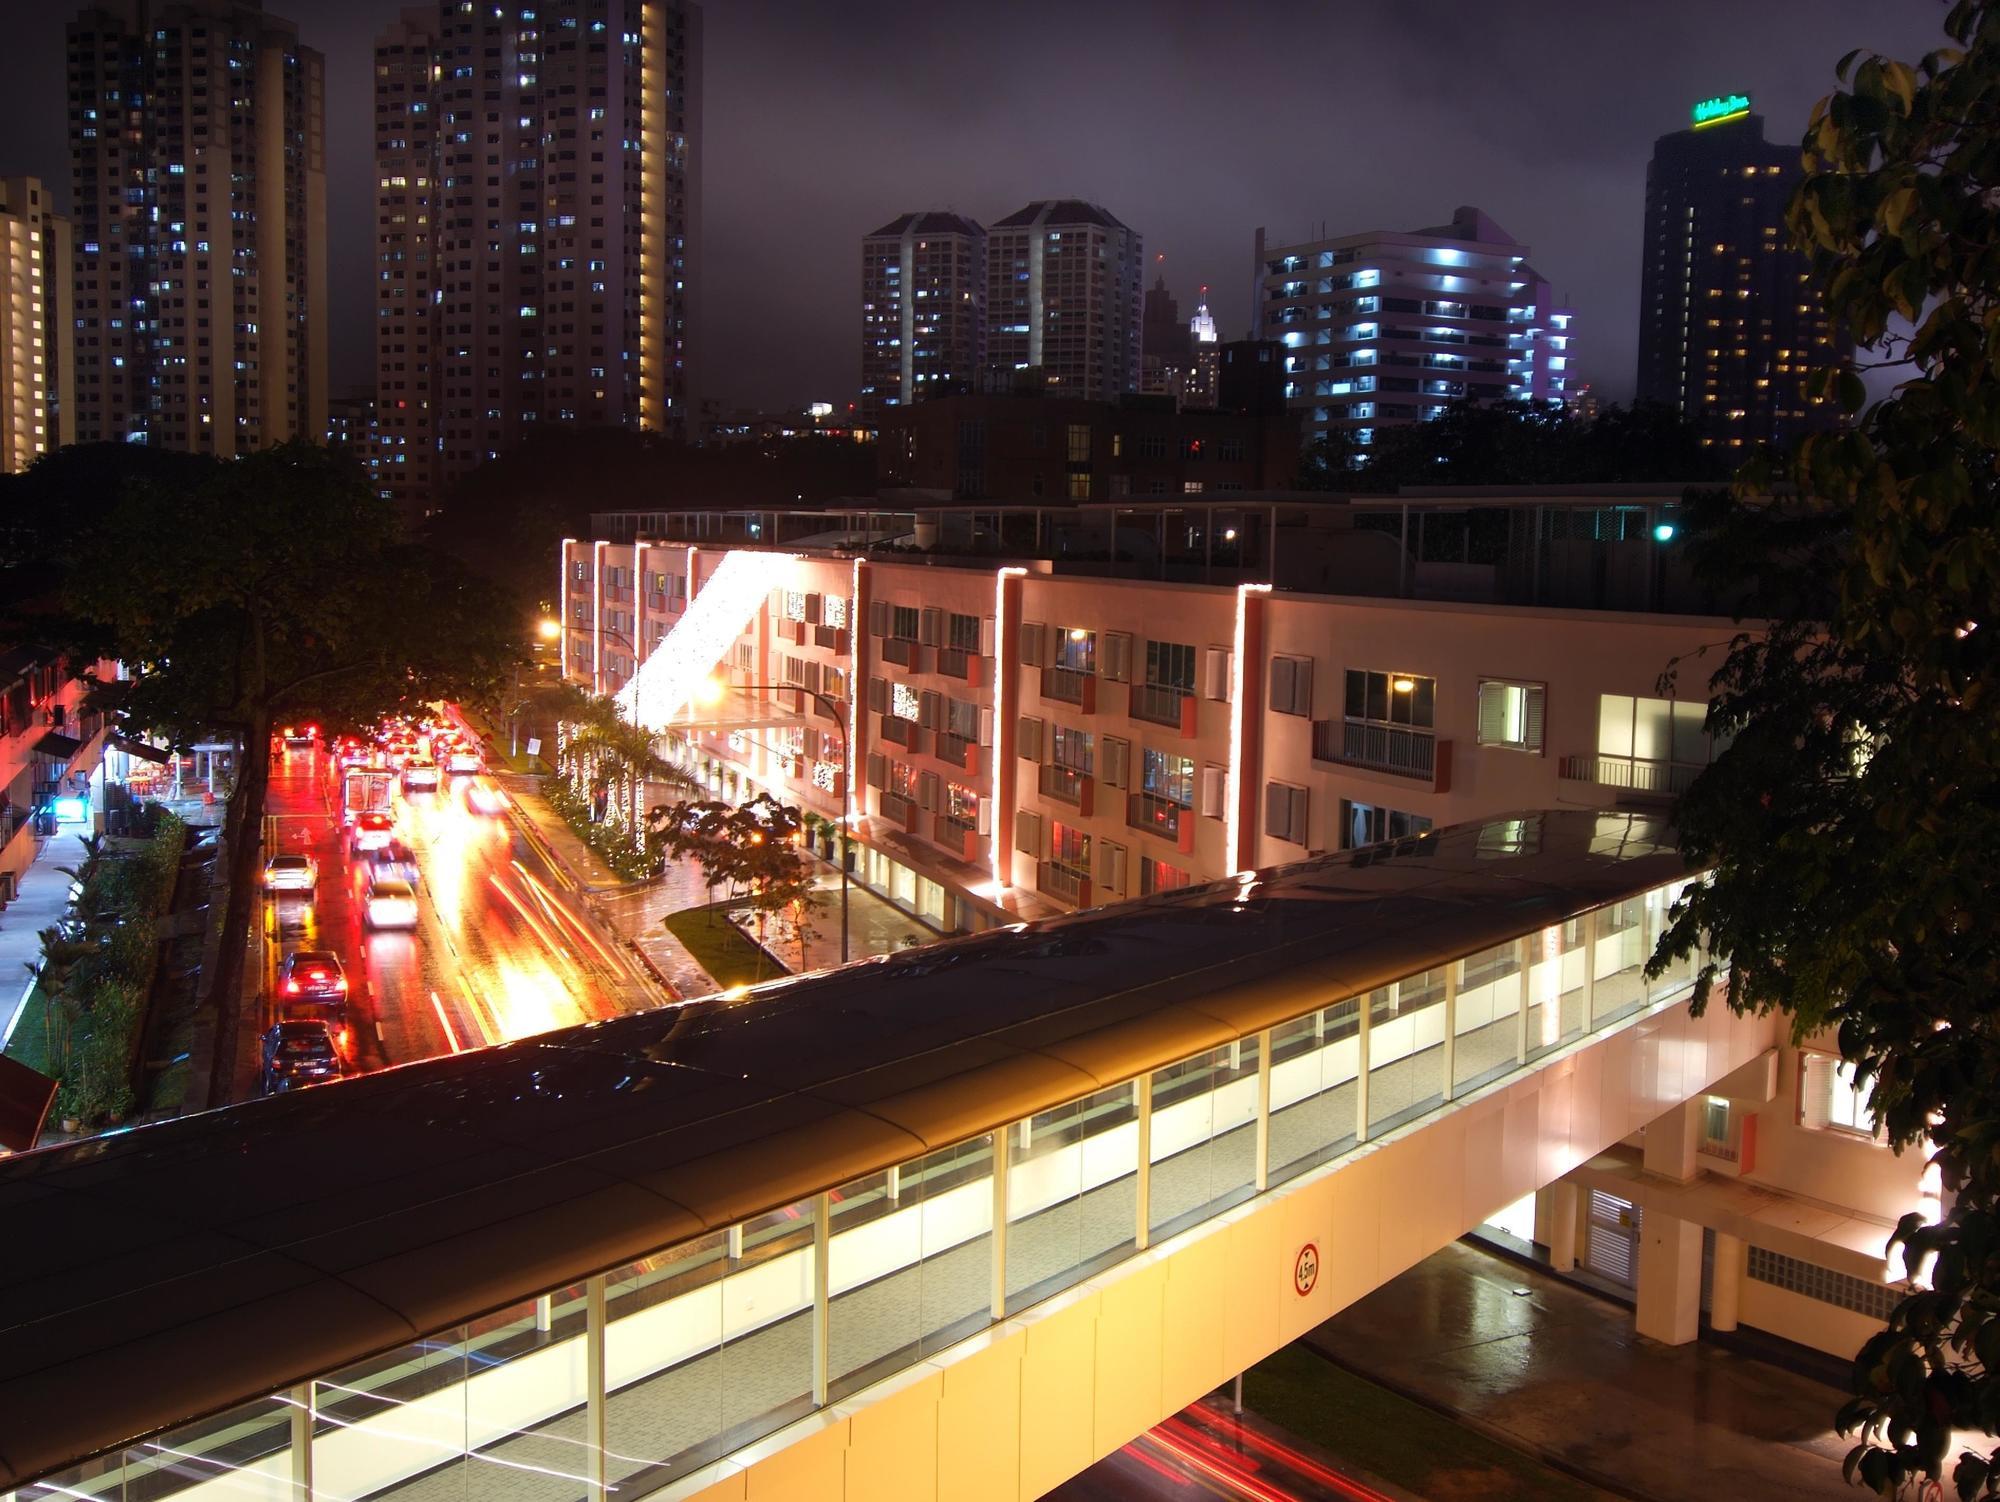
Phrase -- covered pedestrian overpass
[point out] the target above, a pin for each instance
(951, 1223)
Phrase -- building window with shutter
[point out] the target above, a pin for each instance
(903, 622)
(1285, 813)
(1830, 1099)
(1511, 714)
(1371, 824)
(1291, 686)
(1158, 876)
(962, 633)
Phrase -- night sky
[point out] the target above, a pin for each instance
(1193, 123)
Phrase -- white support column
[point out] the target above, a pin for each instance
(1361, 1069)
(1263, 1110)
(1671, 1140)
(594, 1409)
(303, 1415)
(1142, 1098)
(732, 1240)
(1451, 973)
(1669, 1303)
(1524, 959)
(545, 1313)
(822, 1212)
(1732, 1260)
(998, 1301)
(1556, 1222)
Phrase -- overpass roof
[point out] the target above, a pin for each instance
(165, 1273)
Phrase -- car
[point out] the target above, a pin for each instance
(313, 976)
(483, 799)
(392, 903)
(300, 1052)
(291, 873)
(420, 775)
(394, 859)
(461, 760)
(373, 830)
(300, 735)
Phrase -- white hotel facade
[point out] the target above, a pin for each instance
(1027, 735)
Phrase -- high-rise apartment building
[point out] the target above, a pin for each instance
(923, 309)
(1384, 328)
(1063, 281)
(537, 169)
(1731, 329)
(199, 199)
(37, 353)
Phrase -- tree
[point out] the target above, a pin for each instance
(275, 584)
(1852, 825)
(750, 850)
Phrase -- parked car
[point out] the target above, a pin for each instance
(313, 977)
(392, 903)
(299, 1052)
(291, 873)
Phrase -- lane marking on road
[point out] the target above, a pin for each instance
(450, 1034)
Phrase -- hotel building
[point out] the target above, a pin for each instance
(537, 181)
(1021, 736)
(37, 332)
(1386, 327)
(1732, 332)
(197, 135)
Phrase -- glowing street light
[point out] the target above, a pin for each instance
(548, 629)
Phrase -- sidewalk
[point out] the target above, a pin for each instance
(637, 911)
(41, 897)
(1540, 1365)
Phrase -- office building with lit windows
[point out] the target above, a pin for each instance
(1063, 298)
(923, 310)
(197, 135)
(37, 350)
(537, 181)
(1731, 330)
(1390, 327)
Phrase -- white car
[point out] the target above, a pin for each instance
(291, 873)
(463, 759)
(392, 903)
(482, 799)
(420, 777)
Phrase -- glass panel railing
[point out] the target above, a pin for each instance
(909, 1263)
(243, 1453)
(1315, 1069)
(1203, 1133)
(1404, 1049)
(1487, 1016)
(1072, 1193)
(1556, 1011)
(1618, 961)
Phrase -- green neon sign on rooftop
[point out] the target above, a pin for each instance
(1721, 107)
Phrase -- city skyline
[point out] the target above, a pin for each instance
(1192, 165)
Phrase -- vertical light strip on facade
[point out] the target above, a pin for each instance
(597, 620)
(856, 798)
(562, 605)
(1233, 842)
(1003, 680)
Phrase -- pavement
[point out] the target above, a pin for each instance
(1545, 1367)
(41, 896)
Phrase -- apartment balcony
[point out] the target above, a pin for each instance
(1069, 686)
(900, 811)
(1062, 883)
(1067, 785)
(1642, 776)
(962, 839)
(961, 665)
(1158, 704)
(957, 751)
(794, 632)
(1401, 752)
(833, 638)
(901, 732)
(899, 650)
(1163, 817)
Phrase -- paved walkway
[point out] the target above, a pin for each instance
(1539, 1364)
(41, 897)
(637, 911)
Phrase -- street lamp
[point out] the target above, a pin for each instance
(712, 691)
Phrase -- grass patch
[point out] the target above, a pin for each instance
(719, 947)
(30, 1043)
(1400, 1441)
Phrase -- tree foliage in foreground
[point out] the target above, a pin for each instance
(1853, 823)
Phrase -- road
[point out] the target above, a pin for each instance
(1206, 1452)
(499, 953)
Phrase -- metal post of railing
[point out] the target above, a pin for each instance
(1524, 958)
(1587, 925)
(822, 1213)
(1263, 1110)
(1361, 1068)
(1451, 970)
(303, 1417)
(545, 1309)
(998, 1299)
(595, 1408)
(732, 1242)
(1142, 1184)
